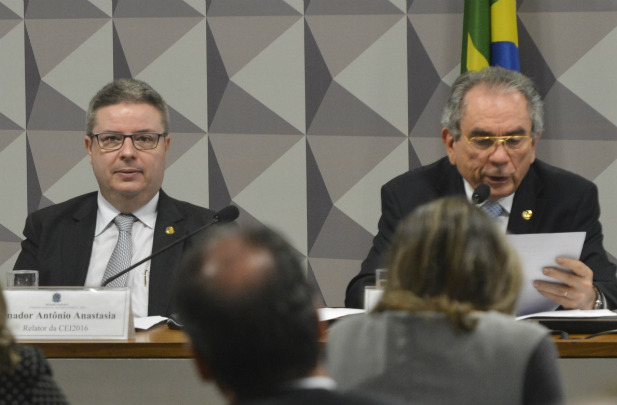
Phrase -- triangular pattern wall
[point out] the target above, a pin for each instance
(296, 111)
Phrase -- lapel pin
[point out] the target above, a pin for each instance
(170, 230)
(527, 215)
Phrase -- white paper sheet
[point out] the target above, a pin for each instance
(573, 313)
(326, 314)
(536, 252)
(147, 322)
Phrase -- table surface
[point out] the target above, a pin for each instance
(162, 342)
(159, 342)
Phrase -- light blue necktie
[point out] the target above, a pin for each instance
(492, 209)
(121, 256)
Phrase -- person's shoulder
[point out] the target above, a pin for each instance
(32, 361)
(502, 324)
(324, 397)
(429, 173)
(188, 208)
(553, 175)
(68, 207)
(362, 397)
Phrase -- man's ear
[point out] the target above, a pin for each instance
(448, 141)
(88, 144)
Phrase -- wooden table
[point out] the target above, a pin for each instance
(604, 346)
(160, 342)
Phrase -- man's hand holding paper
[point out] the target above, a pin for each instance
(575, 290)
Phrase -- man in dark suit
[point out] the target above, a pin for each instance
(492, 122)
(74, 243)
(249, 312)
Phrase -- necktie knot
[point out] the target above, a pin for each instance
(124, 222)
(493, 209)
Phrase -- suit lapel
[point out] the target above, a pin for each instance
(451, 183)
(164, 266)
(527, 200)
(76, 243)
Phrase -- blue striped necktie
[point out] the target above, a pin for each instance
(492, 209)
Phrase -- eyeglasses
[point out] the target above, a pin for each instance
(114, 141)
(512, 143)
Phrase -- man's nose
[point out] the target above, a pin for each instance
(500, 154)
(128, 148)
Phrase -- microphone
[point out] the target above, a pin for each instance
(227, 214)
(480, 194)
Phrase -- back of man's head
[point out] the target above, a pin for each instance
(248, 309)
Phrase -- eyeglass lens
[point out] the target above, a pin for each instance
(143, 141)
(516, 142)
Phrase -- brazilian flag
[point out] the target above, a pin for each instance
(490, 35)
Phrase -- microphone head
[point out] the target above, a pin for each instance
(480, 194)
(227, 214)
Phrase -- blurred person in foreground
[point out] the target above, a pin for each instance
(443, 331)
(249, 311)
(25, 374)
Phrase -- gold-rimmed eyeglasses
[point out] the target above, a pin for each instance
(115, 141)
(512, 143)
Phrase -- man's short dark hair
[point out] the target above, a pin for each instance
(257, 340)
(129, 91)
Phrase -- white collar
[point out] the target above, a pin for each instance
(311, 383)
(505, 202)
(107, 213)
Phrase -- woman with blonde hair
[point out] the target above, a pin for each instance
(25, 375)
(443, 331)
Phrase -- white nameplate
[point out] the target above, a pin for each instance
(80, 313)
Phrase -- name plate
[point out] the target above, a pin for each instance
(79, 313)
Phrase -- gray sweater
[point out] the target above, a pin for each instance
(420, 358)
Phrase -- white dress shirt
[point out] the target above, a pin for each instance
(505, 202)
(105, 238)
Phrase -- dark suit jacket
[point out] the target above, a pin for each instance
(59, 244)
(323, 397)
(561, 201)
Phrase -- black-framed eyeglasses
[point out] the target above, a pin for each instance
(115, 141)
(512, 143)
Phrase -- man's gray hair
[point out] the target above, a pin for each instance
(496, 78)
(129, 91)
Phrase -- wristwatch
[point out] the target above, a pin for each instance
(599, 304)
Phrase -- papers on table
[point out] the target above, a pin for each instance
(536, 252)
(573, 313)
(148, 322)
(327, 314)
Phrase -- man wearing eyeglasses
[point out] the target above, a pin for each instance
(90, 238)
(492, 121)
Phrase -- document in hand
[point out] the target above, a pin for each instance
(537, 251)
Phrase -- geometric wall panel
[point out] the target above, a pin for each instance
(586, 77)
(277, 197)
(385, 61)
(572, 29)
(362, 202)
